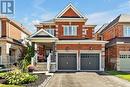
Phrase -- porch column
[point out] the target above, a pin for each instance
(34, 59)
(54, 52)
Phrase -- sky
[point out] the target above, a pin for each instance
(98, 12)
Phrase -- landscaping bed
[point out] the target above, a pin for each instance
(39, 81)
(123, 75)
(36, 83)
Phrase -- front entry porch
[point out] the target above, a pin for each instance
(45, 57)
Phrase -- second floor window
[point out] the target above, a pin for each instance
(127, 31)
(51, 31)
(70, 30)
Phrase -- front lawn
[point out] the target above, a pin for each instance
(122, 75)
(3, 85)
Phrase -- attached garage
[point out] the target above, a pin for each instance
(67, 61)
(124, 61)
(89, 61)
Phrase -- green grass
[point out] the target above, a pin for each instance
(122, 75)
(3, 85)
(2, 73)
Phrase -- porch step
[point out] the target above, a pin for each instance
(41, 67)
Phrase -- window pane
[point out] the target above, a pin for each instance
(70, 30)
(127, 31)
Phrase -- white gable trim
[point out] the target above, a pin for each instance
(42, 30)
(73, 8)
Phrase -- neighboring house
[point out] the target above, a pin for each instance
(66, 43)
(12, 39)
(117, 33)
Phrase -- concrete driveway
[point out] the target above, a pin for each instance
(85, 79)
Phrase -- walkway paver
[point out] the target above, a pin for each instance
(84, 79)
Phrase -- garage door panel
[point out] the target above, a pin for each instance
(125, 62)
(67, 61)
(89, 61)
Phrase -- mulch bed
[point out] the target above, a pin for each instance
(2, 80)
(41, 79)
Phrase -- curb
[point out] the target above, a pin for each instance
(46, 81)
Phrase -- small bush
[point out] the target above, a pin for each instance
(31, 68)
(16, 77)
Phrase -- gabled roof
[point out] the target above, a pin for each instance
(42, 33)
(70, 6)
(122, 18)
(101, 28)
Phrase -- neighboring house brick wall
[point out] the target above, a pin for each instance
(111, 57)
(14, 32)
(3, 28)
(113, 53)
(11, 32)
(113, 32)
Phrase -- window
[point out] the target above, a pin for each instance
(127, 31)
(51, 31)
(70, 30)
(125, 56)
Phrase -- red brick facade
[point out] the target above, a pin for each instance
(113, 32)
(70, 13)
(79, 47)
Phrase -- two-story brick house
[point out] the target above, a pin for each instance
(12, 40)
(70, 42)
(117, 52)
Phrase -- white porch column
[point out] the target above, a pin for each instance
(34, 58)
(35, 48)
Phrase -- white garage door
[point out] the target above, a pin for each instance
(125, 62)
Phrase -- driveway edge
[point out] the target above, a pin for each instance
(46, 81)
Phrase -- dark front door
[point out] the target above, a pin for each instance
(90, 61)
(67, 61)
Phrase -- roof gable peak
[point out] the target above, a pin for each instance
(70, 6)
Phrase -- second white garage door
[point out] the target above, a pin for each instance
(124, 62)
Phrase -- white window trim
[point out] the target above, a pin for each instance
(72, 34)
(125, 29)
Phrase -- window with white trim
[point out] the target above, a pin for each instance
(127, 31)
(51, 31)
(70, 30)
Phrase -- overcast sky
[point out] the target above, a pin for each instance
(29, 12)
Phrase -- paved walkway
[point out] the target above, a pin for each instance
(85, 79)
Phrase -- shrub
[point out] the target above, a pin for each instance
(16, 77)
(31, 68)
